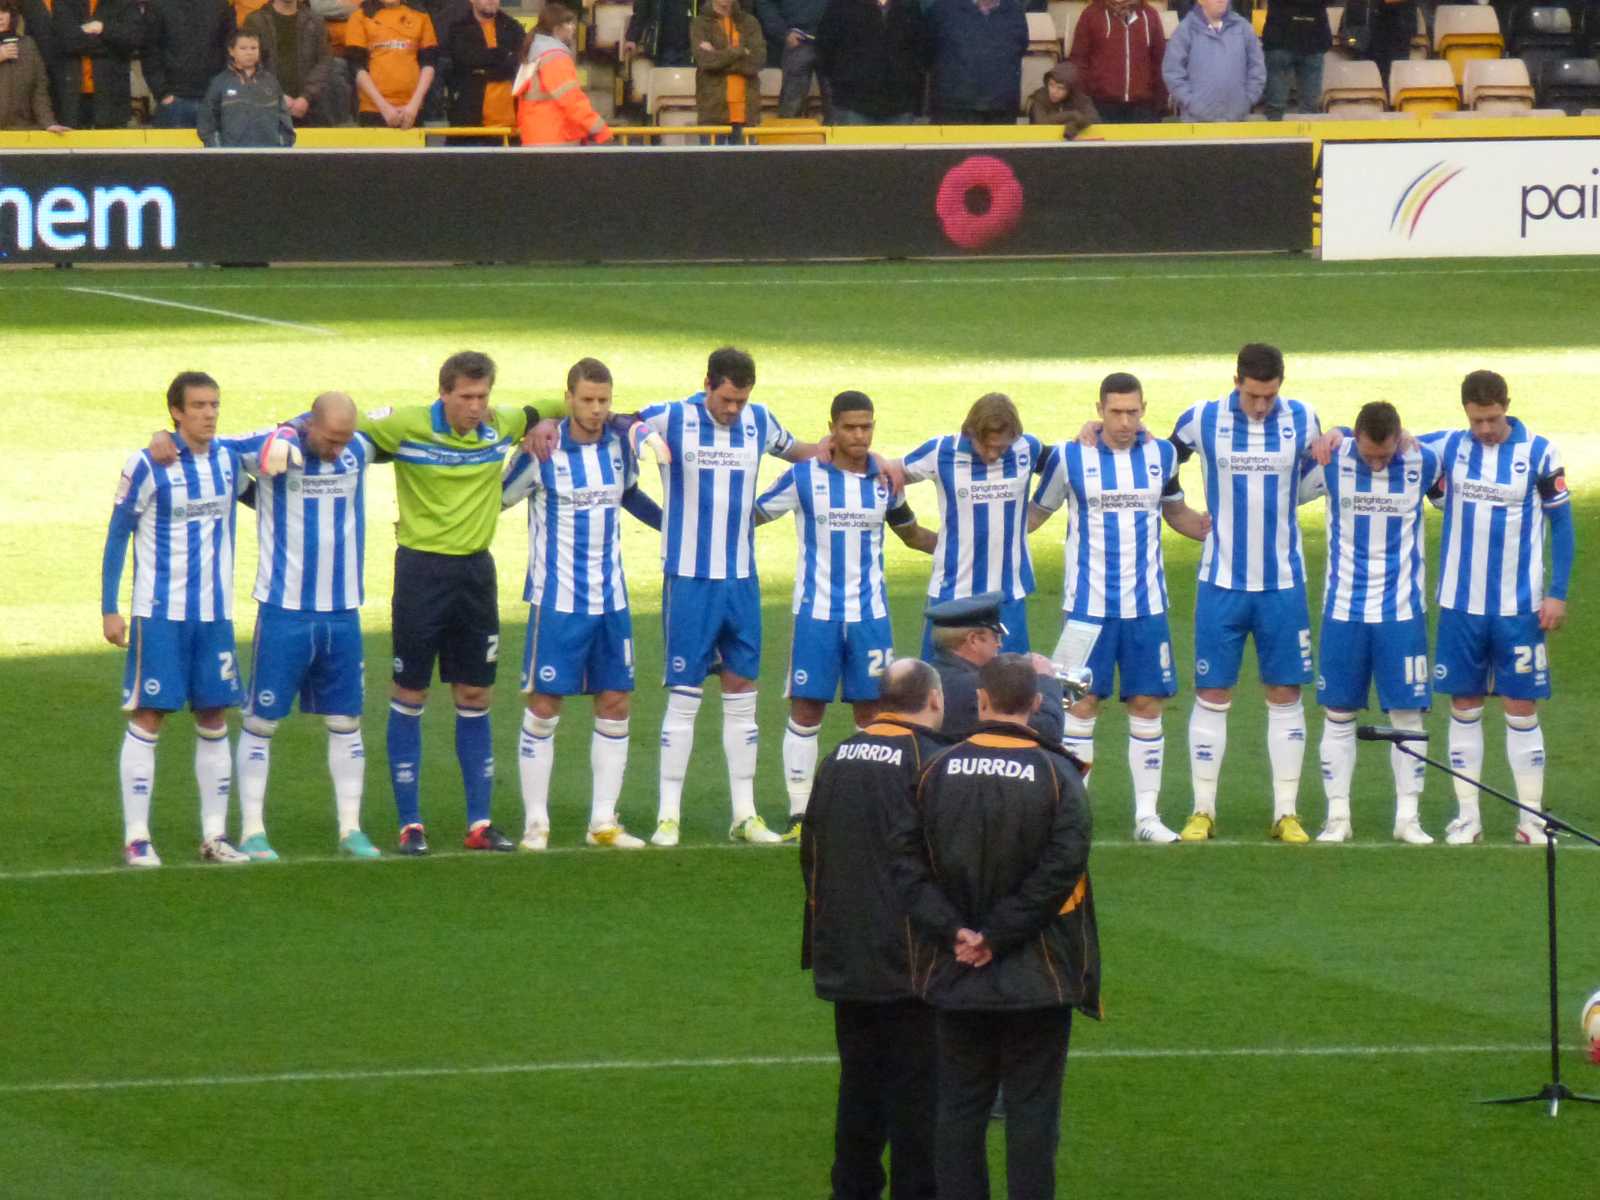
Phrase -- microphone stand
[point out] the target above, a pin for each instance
(1553, 1092)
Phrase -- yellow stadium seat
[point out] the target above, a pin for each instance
(1420, 87)
(1463, 32)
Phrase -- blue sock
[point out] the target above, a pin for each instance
(475, 753)
(405, 761)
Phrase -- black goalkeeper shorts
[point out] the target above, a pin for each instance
(445, 606)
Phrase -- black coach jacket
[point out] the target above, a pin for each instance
(1000, 844)
(857, 939)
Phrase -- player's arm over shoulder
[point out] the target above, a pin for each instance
(782, 497)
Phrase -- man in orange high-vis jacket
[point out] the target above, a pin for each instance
(552, 109)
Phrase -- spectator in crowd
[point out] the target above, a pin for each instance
(295, 50)
(1295, 38)
(24, 83)
(873, 57)
(481, 48)
(245, 105)
(393, 49)
(1214, 68)
(1117, 47)
(335, 16)
(35, 22)
(95, 41)
(793, 25)
(552, 109)
(1062, 101)
(659, 30)
(729, 52)
(1393, 25)
(187, 50)
(977, 61)
(242, 10)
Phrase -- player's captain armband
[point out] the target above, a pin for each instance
(1076, 644)
(1553, 488)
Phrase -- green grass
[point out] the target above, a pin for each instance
(592, 1025)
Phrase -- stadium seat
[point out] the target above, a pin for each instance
(1422, 87)
(1541, 27)
(610, 28)
(771, 86)
(1421, 47)
(671, 91)
(1042, 36)
(1065, 14)
(1571, 85)
(1462, 32)
(638, 80)
(1498, 85)
(1169, 22)
(1258, 19)
(1351, 89)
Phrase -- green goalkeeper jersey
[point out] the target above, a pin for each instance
(448, 483)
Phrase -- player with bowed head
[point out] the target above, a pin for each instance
(1114, 599)
(580, 632)
(1374, 617)
(843, 640)
(181, 648)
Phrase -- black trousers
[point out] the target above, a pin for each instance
(979, 1051)
(886, 1096)
(972, 116)
(1117, 112)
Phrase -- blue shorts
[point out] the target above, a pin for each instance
(1277, 620)
(1355, 654)
(577, 654)
(824, 652)
(1013, 615)
(315, 655)
(1505, 656)
(173, 663)
(1138, 651)
(710, 625)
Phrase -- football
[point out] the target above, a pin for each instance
(1591, 1025)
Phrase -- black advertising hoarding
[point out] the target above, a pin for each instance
(682, 205)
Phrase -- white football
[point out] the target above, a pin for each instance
(1591, 1021)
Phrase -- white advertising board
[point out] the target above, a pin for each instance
(1455, 199)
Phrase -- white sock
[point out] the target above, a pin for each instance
(608, 760)
(1408, 772)
(137, 766)
(347, 764)
(536, 754)
(254, 760)
(1338, 752)
(1147, 748)
(677, 743)
(1466, 756)
(799, 763)
(1208, 739)
(739, 735)
(1077, 735)
(213, 771)
(1286, 748)
(1525, 752)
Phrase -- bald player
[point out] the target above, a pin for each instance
(311, 525)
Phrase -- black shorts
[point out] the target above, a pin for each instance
(445, 606)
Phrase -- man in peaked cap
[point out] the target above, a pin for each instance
(966, 635)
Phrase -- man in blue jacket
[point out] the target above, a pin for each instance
(792, 24)
(1214, 68)
(977, 61)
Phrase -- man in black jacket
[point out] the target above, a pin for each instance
(995, 872)
(659, 30)
(92, 64)
(874, 56)
(189, 51)
(479, 69)
(858, 939)
(966, 636)
(1294, 40)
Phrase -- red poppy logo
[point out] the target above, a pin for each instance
(979, 202)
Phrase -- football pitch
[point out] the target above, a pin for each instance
(1280, 1021)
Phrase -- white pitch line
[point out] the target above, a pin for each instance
(319, 860)
(699, 1064)
(200, 308)
(864, 280)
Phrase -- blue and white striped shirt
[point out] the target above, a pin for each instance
(839, 516)
(710, 485)
(1376, 571)
(311, 523)
(574, 522)
(182, 518)
(1253, 471)
(983, 515)
(1495, 498)
(1114, 566)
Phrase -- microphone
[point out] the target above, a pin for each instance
(1386, 733)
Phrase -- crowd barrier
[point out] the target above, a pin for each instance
(657, 204)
